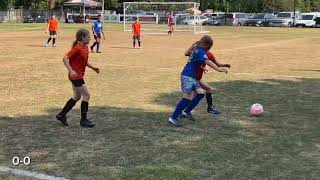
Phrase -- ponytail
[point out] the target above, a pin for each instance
(74, 43)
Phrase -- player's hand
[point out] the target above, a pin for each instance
(228, 65)
(73, 73)
(97, 70)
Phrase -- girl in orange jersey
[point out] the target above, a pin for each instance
(76, 62)
(53, 28)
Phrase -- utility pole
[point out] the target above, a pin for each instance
(294, 13)
(102, 14)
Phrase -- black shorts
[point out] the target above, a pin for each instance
(136, 37)
(78, 82)
(98, 35)
(53, 33)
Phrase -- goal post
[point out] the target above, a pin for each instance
(153, 16)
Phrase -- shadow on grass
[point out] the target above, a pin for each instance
(132, 143)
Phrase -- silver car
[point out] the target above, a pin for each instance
(284, 19)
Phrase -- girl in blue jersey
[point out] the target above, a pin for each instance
(191, 88)
(97, 30)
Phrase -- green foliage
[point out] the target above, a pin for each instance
(216, 5)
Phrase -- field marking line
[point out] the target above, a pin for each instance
(29, 174)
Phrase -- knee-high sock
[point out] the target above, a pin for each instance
(195, 101)
(181, 106)
(69, 105)
(84, 110)
(209, 99)
(49, 40)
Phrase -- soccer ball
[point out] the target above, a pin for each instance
(256, 109)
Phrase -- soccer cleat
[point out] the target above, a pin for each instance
(174, 122)
(188, 115)
(54, 45)
(86, 123)
(98, 51)
(46, 45)
(62, 119)
(213, 110)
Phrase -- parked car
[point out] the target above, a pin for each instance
(260, 19)
(232, 19)
(284, 19)
(213, 14)
(307, 20)
(192, 20)
(317, 20)
(35, 18)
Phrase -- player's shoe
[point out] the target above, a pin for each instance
(54, 45)
(98, 51)
(46, 45)
(213, 110)
(62, 119)
(86, 123)
(188, 116)
(174, 122)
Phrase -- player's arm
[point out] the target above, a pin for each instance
(221, 65)
(97, 70)
(103, 33)
(92, 27)
(67, 64)
(47, 28)
(215, 67)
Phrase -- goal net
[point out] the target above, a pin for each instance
(153, 16)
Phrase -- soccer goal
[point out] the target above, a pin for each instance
(153, 16)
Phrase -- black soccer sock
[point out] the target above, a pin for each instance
(134, 43)
(93, 45)
(139, 42)
(49, 40)
(84, 110)
(69, 105)
(53, 41)
(209, 99)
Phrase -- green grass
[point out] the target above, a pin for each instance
(131, 104)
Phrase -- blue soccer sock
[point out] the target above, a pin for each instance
(98, 46)
(195, 101)
(180, 107)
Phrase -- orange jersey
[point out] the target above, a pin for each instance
(78, 60)
(53, 25)
(136, 29)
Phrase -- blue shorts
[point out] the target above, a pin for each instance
(189, 84)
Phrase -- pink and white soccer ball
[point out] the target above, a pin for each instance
(256, 109)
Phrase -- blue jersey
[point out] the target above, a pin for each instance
(97, 27)
(194, 63)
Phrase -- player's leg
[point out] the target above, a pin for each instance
(84, 122)
(94, 44)
(134, 41)
(139, 42)
(54, 38)
(49, 39)
(195, 100)
(69, 105)
(187, 90)
(210, 108)
(98, 43)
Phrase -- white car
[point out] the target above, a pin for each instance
(284, 19)
(307, 19)
(192, 20)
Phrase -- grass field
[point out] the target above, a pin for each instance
(133, 96)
